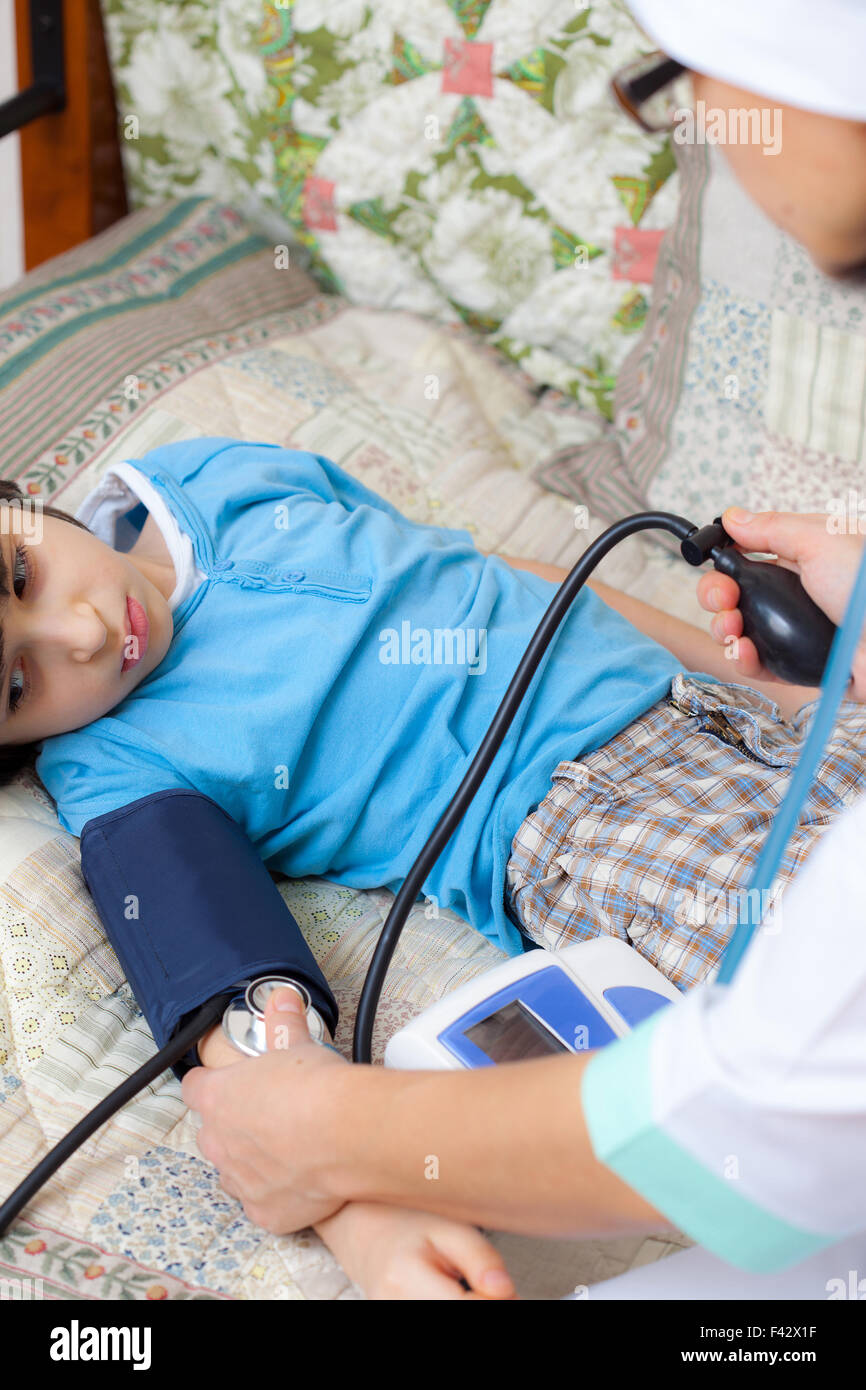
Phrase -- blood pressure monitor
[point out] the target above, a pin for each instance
(535, 1005)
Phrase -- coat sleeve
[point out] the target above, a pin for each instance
(740, 1113)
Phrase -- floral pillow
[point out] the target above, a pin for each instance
(464, 158)
(192, 99)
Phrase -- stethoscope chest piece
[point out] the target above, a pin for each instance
(244, 1017)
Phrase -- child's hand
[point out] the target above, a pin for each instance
(392, 1253)
(825, 561)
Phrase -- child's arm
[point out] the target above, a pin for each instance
(696, 649)
(395, 1253)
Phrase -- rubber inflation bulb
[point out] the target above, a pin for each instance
(791, 634)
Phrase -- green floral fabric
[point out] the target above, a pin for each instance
(464, 158)
(458, 158)
(192, 99)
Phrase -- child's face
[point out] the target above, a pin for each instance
(65, 627)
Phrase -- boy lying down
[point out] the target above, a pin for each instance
(253, 623)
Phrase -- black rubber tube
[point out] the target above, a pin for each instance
(488, 748)
(211, 1012)
(183, 1040)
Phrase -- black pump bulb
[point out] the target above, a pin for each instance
(792, 636)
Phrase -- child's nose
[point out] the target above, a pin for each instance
(76, 630)
(89, 633)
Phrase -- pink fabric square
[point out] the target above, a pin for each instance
(635, 254)
(319, 204)
(468, 68)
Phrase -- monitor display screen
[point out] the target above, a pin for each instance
(513, 1034)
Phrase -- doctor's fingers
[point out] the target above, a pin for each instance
(242, 1092)
(236, 1179)
(214, 1150)
(254, 1176)
(231, 1151)
(795, 535)
(243, 1183)
(230, 1187)
(203, 1090)
(719, 593)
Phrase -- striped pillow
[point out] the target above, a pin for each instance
(95, 336)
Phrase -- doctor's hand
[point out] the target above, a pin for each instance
(825, 561)
(262, 1117)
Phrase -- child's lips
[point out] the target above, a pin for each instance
(138, 627)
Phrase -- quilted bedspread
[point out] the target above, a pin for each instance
(448, 432)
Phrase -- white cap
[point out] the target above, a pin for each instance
(805, 53)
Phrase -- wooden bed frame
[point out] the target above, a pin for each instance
(71, 172)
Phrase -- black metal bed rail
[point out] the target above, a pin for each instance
(47, 91)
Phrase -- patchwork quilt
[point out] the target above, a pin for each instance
(175, 323)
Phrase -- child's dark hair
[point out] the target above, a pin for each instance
(14, 756)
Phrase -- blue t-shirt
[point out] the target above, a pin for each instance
(330, 681)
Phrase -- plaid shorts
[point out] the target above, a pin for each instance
(653, 837)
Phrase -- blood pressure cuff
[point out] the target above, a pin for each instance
(190, 909)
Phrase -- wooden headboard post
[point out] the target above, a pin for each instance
(71, 171)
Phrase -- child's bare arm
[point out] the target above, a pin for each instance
(696, 649)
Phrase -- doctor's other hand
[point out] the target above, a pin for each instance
(262, 1115)
(825, 561)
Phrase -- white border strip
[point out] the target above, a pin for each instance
(11, 226)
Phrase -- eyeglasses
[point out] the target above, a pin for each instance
(653, 90)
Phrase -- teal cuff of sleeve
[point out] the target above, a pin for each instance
(617, 1103)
